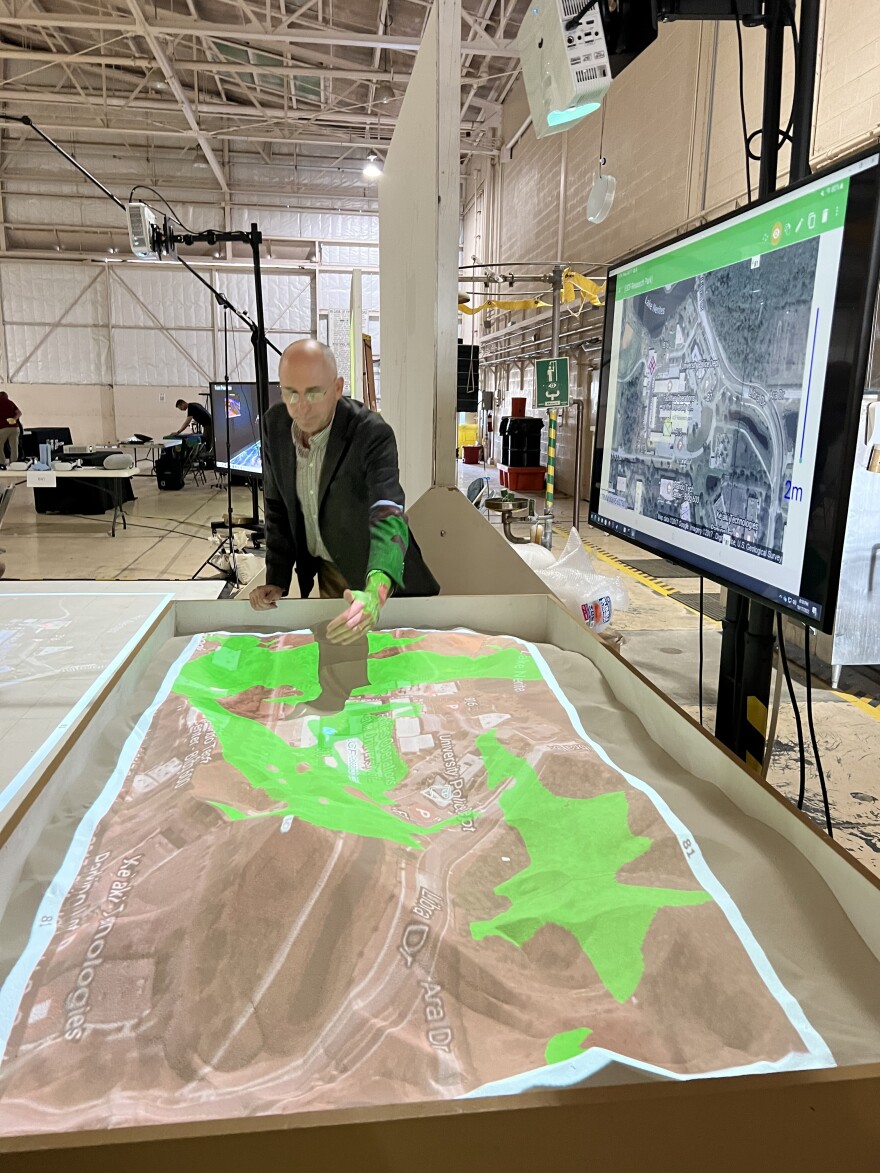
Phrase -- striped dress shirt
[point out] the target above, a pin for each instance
(309, 462)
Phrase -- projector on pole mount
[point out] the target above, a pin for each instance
(142, 230)
(566, 73)
(149, 241)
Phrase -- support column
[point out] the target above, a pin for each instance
(418, 244)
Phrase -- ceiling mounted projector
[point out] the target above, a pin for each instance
(142, 231)
(566, 72)
(571, 49)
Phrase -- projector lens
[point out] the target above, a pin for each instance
(560, 117)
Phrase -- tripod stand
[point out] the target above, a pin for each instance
(224, 558)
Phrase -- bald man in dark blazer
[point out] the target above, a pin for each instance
(334, 504)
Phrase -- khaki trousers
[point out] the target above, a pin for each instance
(9, 436)
(331, 584)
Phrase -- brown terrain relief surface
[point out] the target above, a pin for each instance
(212, 962)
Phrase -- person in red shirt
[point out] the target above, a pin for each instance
(10, 414)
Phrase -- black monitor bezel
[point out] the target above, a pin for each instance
(220, 384)
(859, 272)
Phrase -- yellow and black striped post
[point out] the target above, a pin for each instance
(551, 460)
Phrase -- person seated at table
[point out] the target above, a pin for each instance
(10, 414)
(197, 417)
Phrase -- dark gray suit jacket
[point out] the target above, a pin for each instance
(360, 470)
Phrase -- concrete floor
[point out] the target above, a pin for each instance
(169, 535)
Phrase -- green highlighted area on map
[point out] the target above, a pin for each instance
(345, 779)
(313, 783)
(576, 846)
(567, 1045)
(242, 662)
(321, 783)
(389, 673)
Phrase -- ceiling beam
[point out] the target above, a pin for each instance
(177, 89)
(31, 98)
(195, 260)
(208, 109)
(345, 139)
(487, 10)
(377, 53)
(283, 69)
(478, 34)
(288, 36)
(207, 214)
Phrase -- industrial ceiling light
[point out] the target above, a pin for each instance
(373, 166)
(384, 91)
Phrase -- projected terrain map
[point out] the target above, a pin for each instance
(709, 387)
(318, 879)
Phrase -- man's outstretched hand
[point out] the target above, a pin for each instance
(264, 598)
(362, 613)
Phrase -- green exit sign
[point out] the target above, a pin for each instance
(551, 382)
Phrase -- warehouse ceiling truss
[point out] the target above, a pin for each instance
(307, 87)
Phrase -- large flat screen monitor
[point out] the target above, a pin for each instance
(733, 362)
(235, 404)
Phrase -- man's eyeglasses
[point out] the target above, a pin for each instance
(312, 396)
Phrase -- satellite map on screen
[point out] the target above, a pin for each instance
(709, 387)
(322, 878)
(247, 459)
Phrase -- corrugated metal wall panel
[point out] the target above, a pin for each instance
(152, 358)
(339, 226)
(370, 293)
(151, 296)
(287, 303)
(41, 292)
(63, 354)
(160, 330)
(287, 299)
(335, 291)
(45, 211)
(356, 255)
(271, 221)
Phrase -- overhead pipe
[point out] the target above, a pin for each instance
(591, 320)
(540, 348)
(511, 142)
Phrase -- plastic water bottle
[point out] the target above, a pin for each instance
(597, 614)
